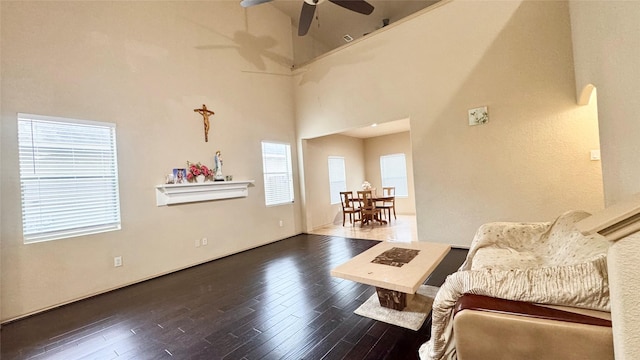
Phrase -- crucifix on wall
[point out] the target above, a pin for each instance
(205, 118)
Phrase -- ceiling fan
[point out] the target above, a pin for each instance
(309, 9)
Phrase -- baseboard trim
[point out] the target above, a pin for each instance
(169, 272)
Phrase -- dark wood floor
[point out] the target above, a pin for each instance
(274, 302)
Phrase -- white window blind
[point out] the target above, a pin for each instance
(337, 178)
(278, 176)
(68, 177)
(393, 169)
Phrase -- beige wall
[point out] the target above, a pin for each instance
(375, 147)
(530, 162)
(606, 43)
(144, 66)
(316, 156)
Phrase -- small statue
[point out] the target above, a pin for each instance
(217, 167)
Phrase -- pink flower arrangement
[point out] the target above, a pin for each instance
(197, 169)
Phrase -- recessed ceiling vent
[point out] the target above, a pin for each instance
(347, 38)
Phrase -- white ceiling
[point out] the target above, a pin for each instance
(388, 128)
(332, 22)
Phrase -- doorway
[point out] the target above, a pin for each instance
(361, 150)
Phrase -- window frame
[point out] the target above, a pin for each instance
(290, 199)
(54, 152)
(334, 198)
(399, 186)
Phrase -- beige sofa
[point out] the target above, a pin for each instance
(548, 263)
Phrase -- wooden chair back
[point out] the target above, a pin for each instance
(365, 198)
(390, 203)
(348, 201)
(349, 207)
(368, 209)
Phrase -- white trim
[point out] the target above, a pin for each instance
(171, 194)
(57, 119)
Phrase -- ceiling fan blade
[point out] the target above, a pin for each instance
(359, 6)
(306, 17)
(247, 3)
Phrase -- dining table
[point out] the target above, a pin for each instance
(377, 199)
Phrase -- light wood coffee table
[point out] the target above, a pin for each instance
(396, 269)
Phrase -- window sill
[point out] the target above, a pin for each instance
(171, 194)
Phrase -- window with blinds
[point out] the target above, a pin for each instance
(68, 177)
(393, 169)
(337, 178)
(278, 174)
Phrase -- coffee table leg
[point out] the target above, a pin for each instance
(392, 299)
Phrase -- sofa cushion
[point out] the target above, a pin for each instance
(507, 246)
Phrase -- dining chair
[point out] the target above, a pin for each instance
(389, 203)
(349, 207)
(368, 210)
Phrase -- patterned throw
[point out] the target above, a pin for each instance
(545, 263)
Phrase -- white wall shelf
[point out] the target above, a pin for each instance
(170, 194)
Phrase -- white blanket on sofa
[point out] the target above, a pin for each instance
(546, 263)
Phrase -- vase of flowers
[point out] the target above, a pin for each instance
(198, 172)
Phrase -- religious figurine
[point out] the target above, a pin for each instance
(179, 176)
(205, 118)
(217, 167)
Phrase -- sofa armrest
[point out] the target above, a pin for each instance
(521, 308)
(499, 331)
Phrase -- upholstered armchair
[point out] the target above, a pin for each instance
(526, 291)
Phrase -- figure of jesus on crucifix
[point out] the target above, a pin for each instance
(205, 117)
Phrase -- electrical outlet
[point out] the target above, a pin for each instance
(117, 261)
(281, 223)
(205, 241)
(197, 243)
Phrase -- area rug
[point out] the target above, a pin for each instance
(412, 317)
